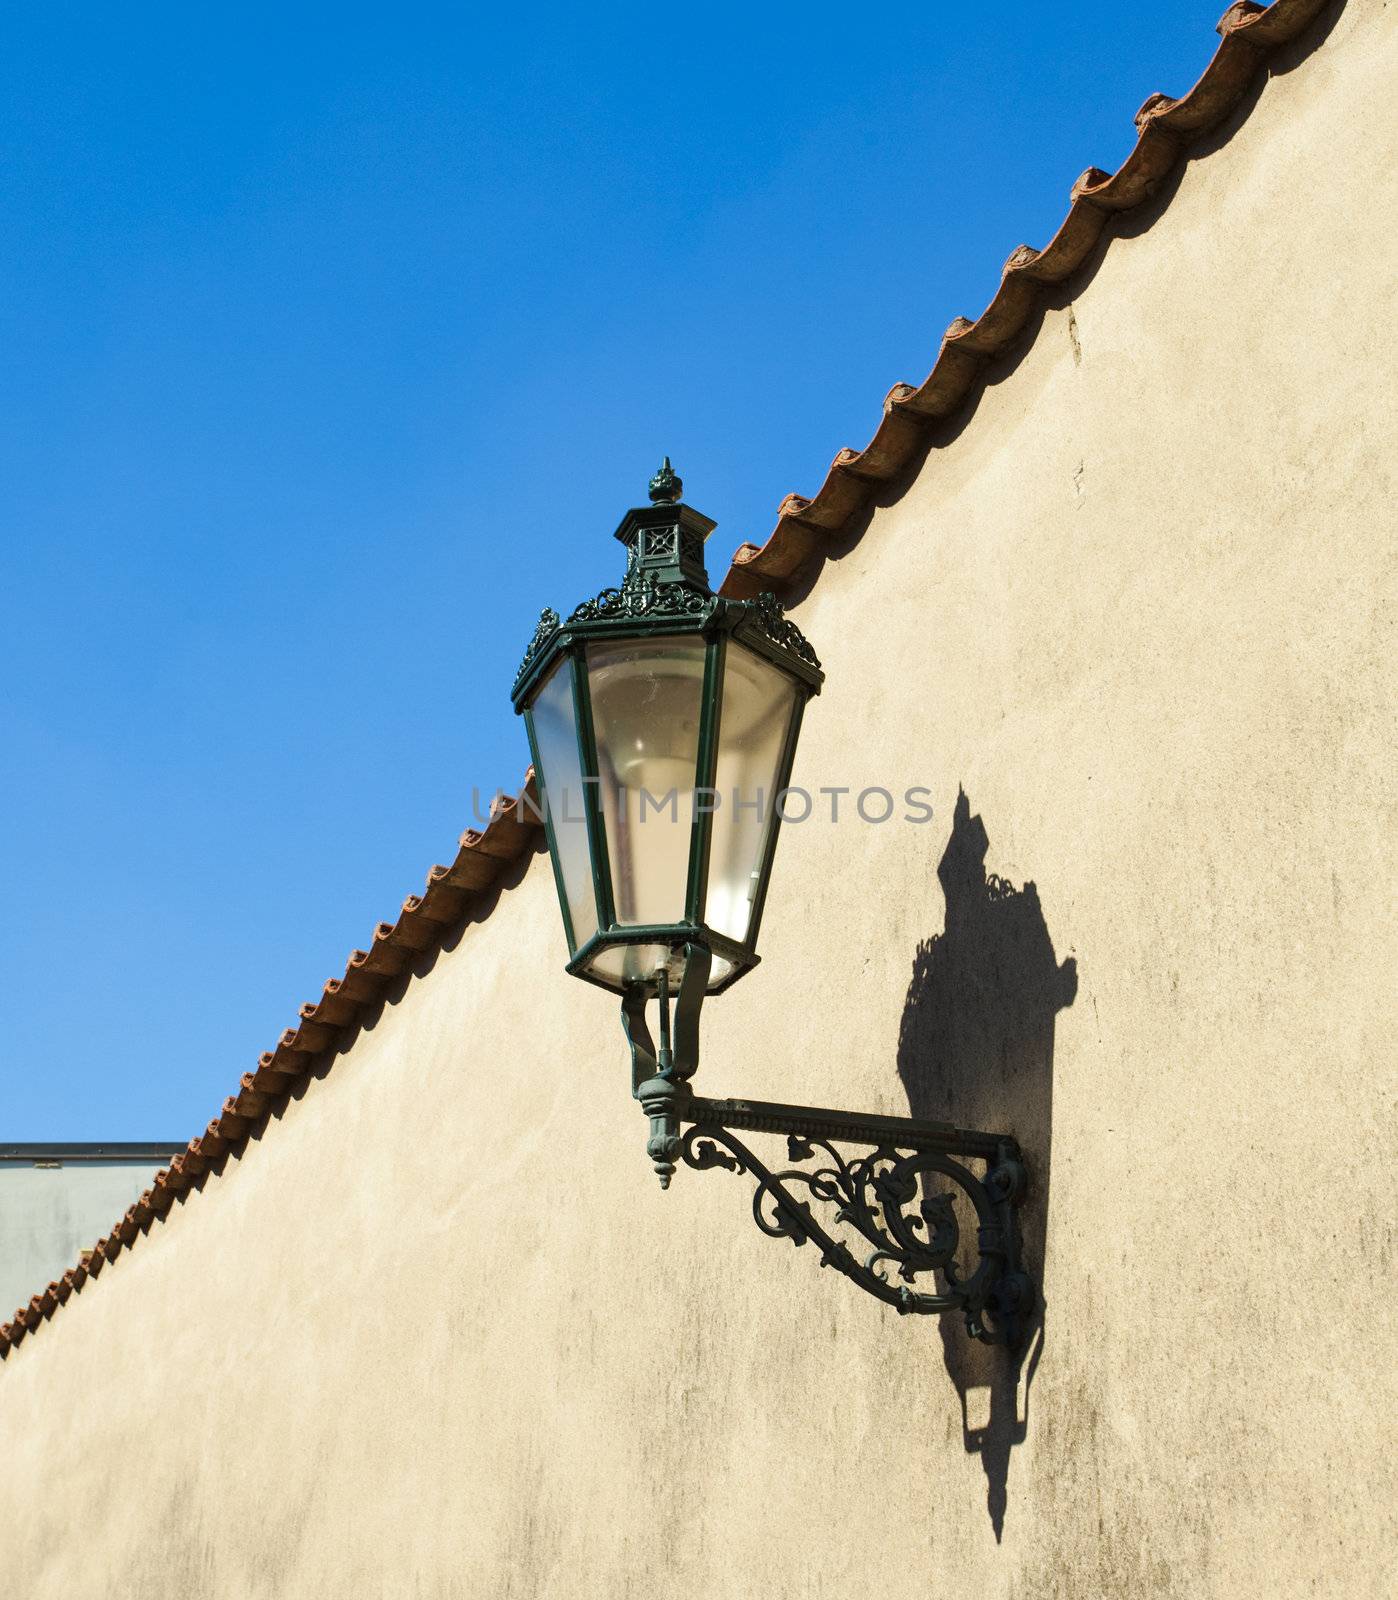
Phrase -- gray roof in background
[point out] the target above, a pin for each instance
(140, 1151)
(57, 1200)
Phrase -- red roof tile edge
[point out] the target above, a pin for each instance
(1250, 32)
(1166, 129)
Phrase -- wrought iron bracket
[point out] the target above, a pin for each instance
(895, 1195)
(887, 1215)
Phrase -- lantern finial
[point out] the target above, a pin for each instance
(666, 486)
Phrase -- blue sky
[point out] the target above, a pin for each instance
(335, 341)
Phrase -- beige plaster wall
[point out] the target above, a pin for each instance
(439, 1333)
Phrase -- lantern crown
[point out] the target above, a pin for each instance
(666, 589)
(666, 538)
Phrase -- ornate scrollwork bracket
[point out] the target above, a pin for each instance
(884, 1214)
(895, 1196)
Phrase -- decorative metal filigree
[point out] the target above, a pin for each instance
(549, 625)
(899, 1201)
(657, 544)
(765, 610)
(645, 596)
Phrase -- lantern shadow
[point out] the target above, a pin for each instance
(975, 1047)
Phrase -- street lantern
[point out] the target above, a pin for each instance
(663, 721)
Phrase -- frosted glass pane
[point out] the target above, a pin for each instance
(758, 703)
(646, 696)
(554, 727)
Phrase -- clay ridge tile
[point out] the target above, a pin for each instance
(1165, 129)
(322, 1025)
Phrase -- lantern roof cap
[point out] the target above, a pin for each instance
(666, 590)
(666, 537)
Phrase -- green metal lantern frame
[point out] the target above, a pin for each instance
(665, 594)
(896, 1186)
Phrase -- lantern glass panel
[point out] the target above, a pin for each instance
(759, 701)
(554, 728)
(646, 700)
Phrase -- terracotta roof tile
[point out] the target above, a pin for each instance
(1165, 128)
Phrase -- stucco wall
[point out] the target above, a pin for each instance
(439, 1333)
